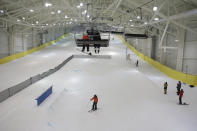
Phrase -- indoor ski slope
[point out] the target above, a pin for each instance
(130, 98)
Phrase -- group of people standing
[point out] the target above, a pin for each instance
(180, 91)
(92, 37)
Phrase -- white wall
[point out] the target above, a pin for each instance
(26, 40)
(190, 58)
(4, 49)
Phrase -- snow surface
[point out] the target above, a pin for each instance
(130, 98)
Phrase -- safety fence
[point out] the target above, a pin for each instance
(22, 54)
(186, 78)
(15, 89)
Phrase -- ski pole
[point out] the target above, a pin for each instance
(88, 103)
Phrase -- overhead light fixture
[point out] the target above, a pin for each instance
(1, 11)
(130, 20)
(84, 12)
(88, 16)
(78, 6)
(23, 18)
(47, 24)
(156, 18)
(138, 17)
(132, 25)
(65, 16)
(37, 22)
(59, 11)
(155, 8)
(54, 24)
(48, 4)
(81, 4)
(18, 20)
(52, 13)
(31, 10)
(145, 23)
(176, 40)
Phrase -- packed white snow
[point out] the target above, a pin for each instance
(130, 98)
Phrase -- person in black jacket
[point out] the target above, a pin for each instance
(178, 87)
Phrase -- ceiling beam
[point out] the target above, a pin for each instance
(164, 17)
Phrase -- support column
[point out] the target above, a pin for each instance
(11, 40)
(33, 38)
(163, 51)
(180, 46)
(23, 44)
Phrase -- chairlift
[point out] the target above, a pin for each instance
(95, 38)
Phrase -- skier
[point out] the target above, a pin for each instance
(137, 63)
(165, 87)
(85, 37)
(95, 101)
(180, 96)
(178, 87)
(97, 48)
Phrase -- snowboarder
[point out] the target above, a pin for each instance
(165, 87)
(137, 63)
(180, 96)
(178, 87)
(95, 101)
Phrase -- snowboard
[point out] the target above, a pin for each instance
(93, 110)
(184, 103)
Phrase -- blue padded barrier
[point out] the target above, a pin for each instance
(44, 95)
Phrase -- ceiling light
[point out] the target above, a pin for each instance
(52, 12)
(156, 18)
(37, 22)
(78, 6)
(145, 23)
(130, 20)
(138, 17)
(18, 20)
(31, 10)
(155, 8)
(88, 16)
(65, 16)
(1, 11)
(81, 4)
(132, 25)
(59, 11)
(176, 40)
(48, 4)
(47, 24)
(23, 18)
(54, 24)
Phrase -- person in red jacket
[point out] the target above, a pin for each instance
(85, 37)
(180, 96)
(95, 101)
